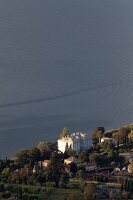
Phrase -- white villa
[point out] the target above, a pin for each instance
(77, 141)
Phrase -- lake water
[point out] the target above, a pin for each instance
(63, 63)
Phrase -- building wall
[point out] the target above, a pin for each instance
(78, 141)
(91, 168)
(82, 145)
(62, 144)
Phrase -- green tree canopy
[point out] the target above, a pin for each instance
(54, 169)
(34, 155)
(65, 132)
(130, 135)
(43, 146)
(21, 157)
(94, 157)
(64, 179)
(123, 135)
(98, 133)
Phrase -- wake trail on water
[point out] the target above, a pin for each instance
(55, 97)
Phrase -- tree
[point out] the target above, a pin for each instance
(45, 150)
(94, 157)
(97, 133)
(103, 145)
(66, 147)
(110, 145)
(68, 151)
(34, 155)
(123, 135)
(114, 195)
(124, 194)
(6, 171)
(97, 148)
(115, 137)
(15, 177)
(82, 156)
(47, 146)
(64, 179)
(21, 157)
(43, 196)
(80, 174)
(113, 155)
(43, 146)
(110, 133)
(127, 185)
(65, 132)
(73, 167)
(54, 169)
(130, 136)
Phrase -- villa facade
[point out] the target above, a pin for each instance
(77, 141)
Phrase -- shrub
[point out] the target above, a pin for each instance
(32, 196)
(2, 188)
(7, 194)
(25, 190)
(25, 196)
(50, 184)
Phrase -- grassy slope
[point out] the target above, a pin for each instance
(60, 194)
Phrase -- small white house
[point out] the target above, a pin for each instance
(44, 163)
(106, 139)
(91, 166)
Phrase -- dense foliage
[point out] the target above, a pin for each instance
(26, 168)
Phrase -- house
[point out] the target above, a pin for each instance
(106, 139)
(78, 141)
(34, 170)
(44, 163)
(91, 166)
(70, 160)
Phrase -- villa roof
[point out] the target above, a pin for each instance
(70, 159)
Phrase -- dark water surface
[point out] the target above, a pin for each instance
(63, 63)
